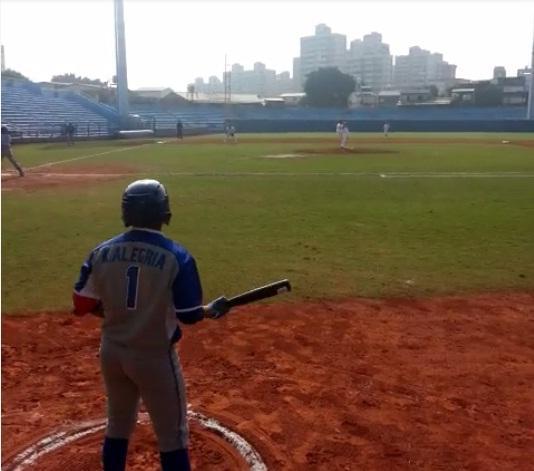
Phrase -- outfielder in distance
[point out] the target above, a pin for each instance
(141, 282)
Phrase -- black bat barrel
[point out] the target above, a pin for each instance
(263, 292)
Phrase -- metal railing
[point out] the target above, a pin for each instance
(57, 131)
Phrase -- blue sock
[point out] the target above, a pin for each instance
(114, 454)
(176, 460)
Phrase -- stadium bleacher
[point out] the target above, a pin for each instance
(194, 118)
(33, 112)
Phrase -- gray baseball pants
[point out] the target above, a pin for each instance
(154, 377)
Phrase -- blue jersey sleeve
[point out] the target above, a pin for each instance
(187, 292)
(84, 286)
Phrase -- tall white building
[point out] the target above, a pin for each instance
(297, 79)
(324, 49)
(421, 68)
(259, 81)
(214, 85)
(370, 62)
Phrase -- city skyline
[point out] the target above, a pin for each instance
(167, 47)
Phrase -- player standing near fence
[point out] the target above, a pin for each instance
(229, 133)
(7, 152)
(142, 284)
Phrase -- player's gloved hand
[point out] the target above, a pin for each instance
(217, 308)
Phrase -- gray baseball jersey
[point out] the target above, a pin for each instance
(145, 282)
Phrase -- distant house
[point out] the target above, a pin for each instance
(498, 91)
(221, 98)
(411, 97)
(156, 93)
(364, 97)
(275, 102)
(463, 95)
(389, 97)
(166, 97)
(292, 99)
(514, 90)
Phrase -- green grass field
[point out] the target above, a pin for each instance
(451, 213)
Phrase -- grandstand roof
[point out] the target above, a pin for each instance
(72, 84)
(220, 98)
(154, 92)
(293, 95)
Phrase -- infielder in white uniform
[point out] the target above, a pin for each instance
(344, 136)
(339, 127)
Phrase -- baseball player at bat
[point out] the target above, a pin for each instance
(142, 283)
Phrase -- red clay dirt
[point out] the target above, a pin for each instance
(354, 138)
(64, 176)
(437, 384)
(350, 150)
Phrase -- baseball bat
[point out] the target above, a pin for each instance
(263, 292)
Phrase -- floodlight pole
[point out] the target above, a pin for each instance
(120, 51)
(530, 107)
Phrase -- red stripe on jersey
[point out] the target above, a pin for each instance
(83, 304)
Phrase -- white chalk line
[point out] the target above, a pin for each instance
(89, 156)
(245, 449)
(56, 440)
(290, 174)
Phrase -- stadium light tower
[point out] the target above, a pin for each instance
(530, 107)
(120, 51)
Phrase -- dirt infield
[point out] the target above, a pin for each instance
(355, 139)
(64, 176)
(442, 383)
(338, 151)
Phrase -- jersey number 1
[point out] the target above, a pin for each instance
(132, 276)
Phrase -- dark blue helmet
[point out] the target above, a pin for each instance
(145, 203)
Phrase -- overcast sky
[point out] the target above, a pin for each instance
(171, 42)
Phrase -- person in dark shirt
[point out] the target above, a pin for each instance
(6, 150)
(70, 129)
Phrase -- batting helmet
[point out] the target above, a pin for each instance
(145, 203)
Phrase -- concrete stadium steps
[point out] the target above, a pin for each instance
(36, 113)
(191, 119)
